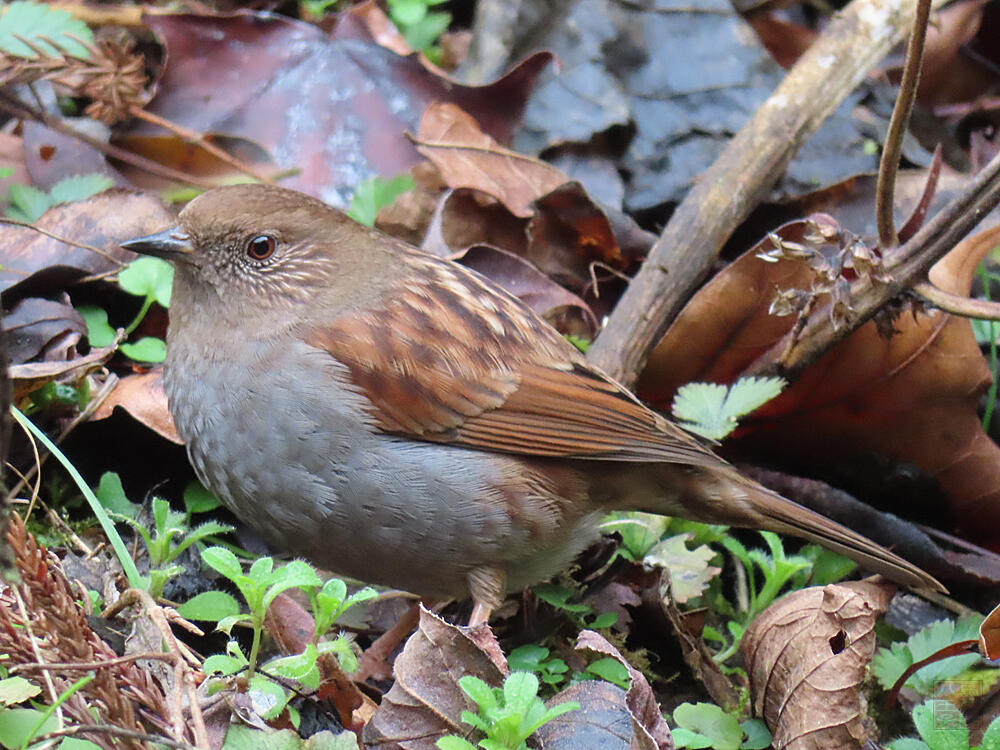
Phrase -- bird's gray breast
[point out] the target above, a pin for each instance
(286, 443)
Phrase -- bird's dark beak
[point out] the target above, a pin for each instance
(170, 244)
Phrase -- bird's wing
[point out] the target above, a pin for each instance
(457, 360)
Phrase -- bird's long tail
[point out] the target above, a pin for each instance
(722, 494)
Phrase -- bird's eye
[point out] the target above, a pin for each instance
(261, 247)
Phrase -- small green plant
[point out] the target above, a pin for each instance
(28, 203)
(777, 570)
(703, 725)
(712, 410)
(149, 278)
(581, 614)
(553, 671)
(259, 586)
(507, 716)
(314, 9)
(374, 194)
(51, 30)
(171, 536)
(941, 726)
(889, 663)
(420, 25)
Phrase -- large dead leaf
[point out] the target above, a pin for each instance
(911, 398)
(567, 232)
(101, 221)
(426, 703)
(602, 720)
(806, 657)
(989, 635)
(334, 109)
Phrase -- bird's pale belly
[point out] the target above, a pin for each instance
(328, 487)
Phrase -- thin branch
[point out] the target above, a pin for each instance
(87, 665)
(183, 679)
(851, 45)
(956, 304)
(201, 141)
(65, 240)
(115, 732)
(893, 148)
(19, 109)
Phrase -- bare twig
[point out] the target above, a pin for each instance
(201, 141)
(87, 665)
(893, 147)
(72, 243)
(24, 111)
(750, 164)
(183, 679)
(956, 304)
(114, 731)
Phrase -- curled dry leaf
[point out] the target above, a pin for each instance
(102, 221)
(911, 398)
(468, 157)
(142, 396)
(29, 377)
(426, 703)
(563, 309)
(806, 658)
(603, 721)
(43, 329)
(649, 730)
(989, 635)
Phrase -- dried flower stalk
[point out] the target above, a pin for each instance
(119, 693)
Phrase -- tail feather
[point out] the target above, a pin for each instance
(720, 494)
(780, 514)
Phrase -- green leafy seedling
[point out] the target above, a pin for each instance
(777, 570)
(507, 716)
(705, 725)
(50, 30)
(713, 411)
(581, 614)
(171, 536)
(531, 658)
(374, 194)
(28, 203)
(420, 26)
(889, 663)
(941, 726)
(259, 586)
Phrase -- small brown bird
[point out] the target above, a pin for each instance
(399, 419)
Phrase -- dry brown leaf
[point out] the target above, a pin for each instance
(426, 703)
(602, 721)
(103, 221)
(911, 399)
(469, 158)
(43, 329)
(806, 657)
(649, 730)
(989, 635)
(28, 377)
(142, 396)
